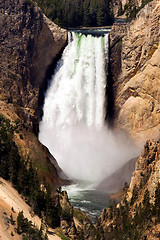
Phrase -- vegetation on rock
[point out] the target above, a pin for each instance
(139, 210)
(23, 175)
(27, 230)
(131, 9)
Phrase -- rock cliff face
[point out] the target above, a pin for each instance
(137, 215)
(147, 170)
(136, 76)
(117, 7)
(31, 149)
(74, 223)
(28, 44)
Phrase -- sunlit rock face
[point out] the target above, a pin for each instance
(136, 76)
(148, 165)
(116, 6)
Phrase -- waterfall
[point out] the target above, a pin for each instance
(73, 125)
(77, 92)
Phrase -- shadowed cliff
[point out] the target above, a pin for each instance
(29, 44)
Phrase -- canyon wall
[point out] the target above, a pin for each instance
(29, 43)
(135, 67)
(137, 215)
(120, 8)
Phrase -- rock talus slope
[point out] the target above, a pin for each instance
(11, 199)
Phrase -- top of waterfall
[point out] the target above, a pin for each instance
(92, 31)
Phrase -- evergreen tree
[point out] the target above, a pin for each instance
(11, 219)
(134, 195)
(146, 210)
(23, 176)
(156, 207)
(75, 13)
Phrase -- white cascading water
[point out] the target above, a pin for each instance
(73, 126)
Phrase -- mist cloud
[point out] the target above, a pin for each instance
(87, 153)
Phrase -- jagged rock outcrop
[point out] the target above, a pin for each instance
(28, 44)
(137, 215)
(147, 170)
(118, 7)
(136, 76)
(115, 7)
(74, 223)
(67, 223)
